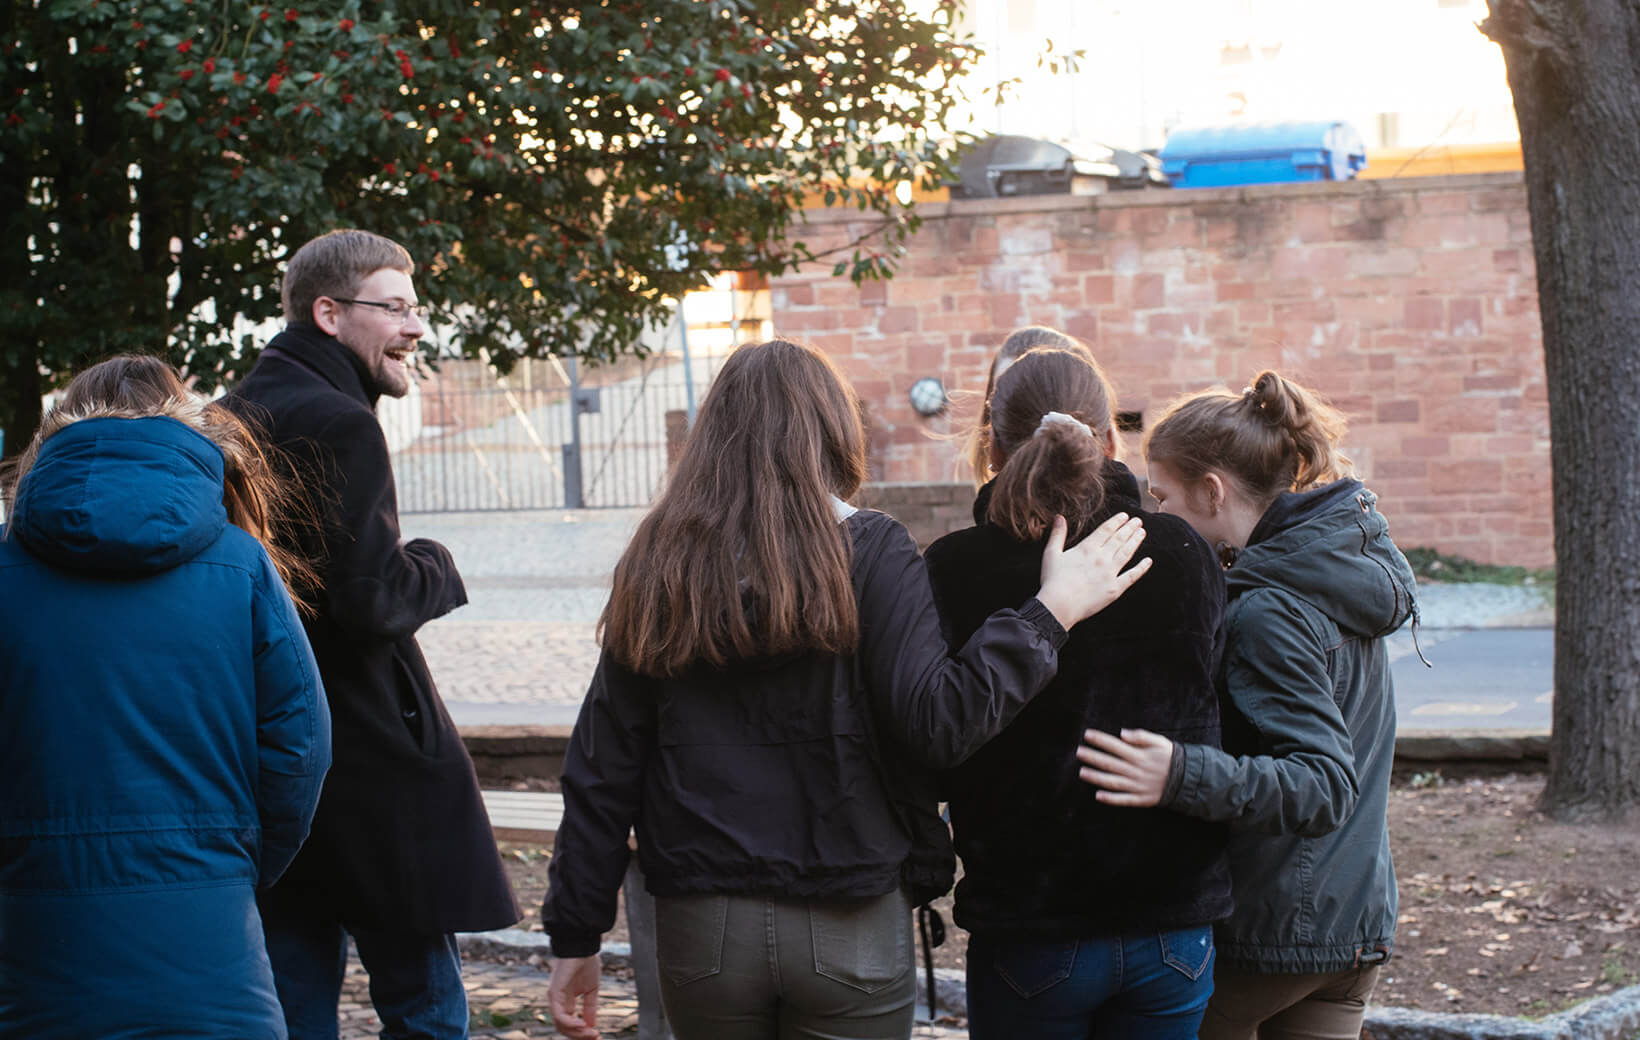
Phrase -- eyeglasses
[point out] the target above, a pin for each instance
(400, 312)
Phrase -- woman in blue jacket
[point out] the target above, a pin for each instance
(165, 731)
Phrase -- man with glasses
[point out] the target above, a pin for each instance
(401, 854)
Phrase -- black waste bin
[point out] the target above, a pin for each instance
(1009, 164)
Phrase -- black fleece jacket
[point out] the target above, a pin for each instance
(1041, 856)
(807, 775)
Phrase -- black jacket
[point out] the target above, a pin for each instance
(401, 839)
(803, 776)
(1309, 736)
(1041, 856)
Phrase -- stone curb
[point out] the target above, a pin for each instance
(1613, 1017)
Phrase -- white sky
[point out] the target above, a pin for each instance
(1153, 65)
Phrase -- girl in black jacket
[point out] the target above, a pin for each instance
(1086, 920)
(772, 660)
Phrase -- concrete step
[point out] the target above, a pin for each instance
(524, 815)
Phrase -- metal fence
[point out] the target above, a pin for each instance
(549, 435)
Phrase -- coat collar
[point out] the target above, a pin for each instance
(325, 355)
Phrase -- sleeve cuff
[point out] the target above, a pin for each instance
(570, 945)
(1044, 621)
(1175, 775)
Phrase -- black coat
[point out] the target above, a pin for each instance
(805, 776)
(401, 839)
(1041, 856)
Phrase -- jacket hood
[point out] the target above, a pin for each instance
(1330, 547)
(124, 496)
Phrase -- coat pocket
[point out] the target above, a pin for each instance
(415, 708)
(689, 933)
(866, 946)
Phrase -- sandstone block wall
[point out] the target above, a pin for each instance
(1411, 304)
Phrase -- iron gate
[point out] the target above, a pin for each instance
(549, 435)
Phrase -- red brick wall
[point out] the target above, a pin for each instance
(1410, 304)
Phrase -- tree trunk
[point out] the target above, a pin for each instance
(20, 400)
(1574, 68)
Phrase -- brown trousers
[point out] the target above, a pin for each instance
(1251, 1006)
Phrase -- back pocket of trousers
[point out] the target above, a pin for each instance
(1188, 951)
(864, 945)
(1031, 968)
(689, 933)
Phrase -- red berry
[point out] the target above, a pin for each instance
(290, 14)
(210, 66)
(185, 46)
(721, 75)
(346, 25)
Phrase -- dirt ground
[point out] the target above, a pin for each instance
(1502, 910)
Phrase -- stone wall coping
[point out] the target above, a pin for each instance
(958, 208)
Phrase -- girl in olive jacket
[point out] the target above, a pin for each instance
(1309, 731)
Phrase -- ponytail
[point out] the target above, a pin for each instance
(1020, 341)
(1273, 437)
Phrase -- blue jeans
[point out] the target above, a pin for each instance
(1150, 986)
(415, 980)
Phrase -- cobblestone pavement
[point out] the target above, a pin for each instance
(522, 650)
(508, 1001)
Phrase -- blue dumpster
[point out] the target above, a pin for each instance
(1262, 153)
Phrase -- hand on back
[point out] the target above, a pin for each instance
(1130, 771)
(1079, 582)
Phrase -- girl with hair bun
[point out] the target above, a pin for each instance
(1315, 584)
(1086, 920)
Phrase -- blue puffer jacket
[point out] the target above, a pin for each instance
(163, 737)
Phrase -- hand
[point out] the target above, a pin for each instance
(575, 978)
(1131, 771)
(1080, 582)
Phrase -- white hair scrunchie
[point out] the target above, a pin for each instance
(1061, 419)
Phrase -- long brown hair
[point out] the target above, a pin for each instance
(1052, 466)
(1273, 437)
(136, 386)
(742, 555)
(1018, 342)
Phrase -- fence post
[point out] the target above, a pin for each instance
(574, 494)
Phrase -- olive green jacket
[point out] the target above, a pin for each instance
(1309, 735)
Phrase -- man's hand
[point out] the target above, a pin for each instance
(1080, 582)
(1131, 771)
(575, 979)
